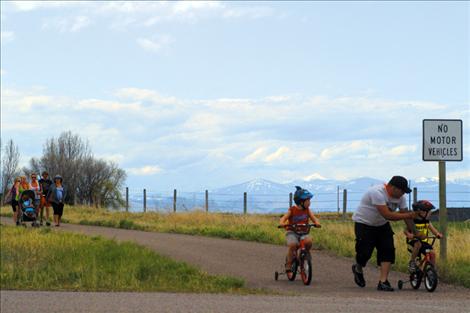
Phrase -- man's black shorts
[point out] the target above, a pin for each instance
(369, 238)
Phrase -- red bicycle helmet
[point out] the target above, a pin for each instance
(423, 205)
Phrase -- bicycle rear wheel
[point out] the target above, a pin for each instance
(293, 270)
(415, 279)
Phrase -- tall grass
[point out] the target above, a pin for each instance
(335, 235)
(41, 259)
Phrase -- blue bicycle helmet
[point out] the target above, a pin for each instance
(301, 195)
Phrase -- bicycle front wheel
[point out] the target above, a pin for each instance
(430, 277)
(306, 270)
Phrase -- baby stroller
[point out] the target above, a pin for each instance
(27, 210)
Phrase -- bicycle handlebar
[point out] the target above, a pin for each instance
(299, 225)
(433, 239)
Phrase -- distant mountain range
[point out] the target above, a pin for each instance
(264, 196)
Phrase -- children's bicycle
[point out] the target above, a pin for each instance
(426, 269)
(302, 260)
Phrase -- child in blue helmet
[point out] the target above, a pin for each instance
(298, 214)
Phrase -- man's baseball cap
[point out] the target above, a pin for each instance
(401, 183)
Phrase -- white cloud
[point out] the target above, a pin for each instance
(124, 14)
(3, 72)
(145, 170)
(458, 174)
(183, 7)
(278, 98)
(135, 126)
(403, 149)
(146, 95)
(256, 155)
(363, 147)
(253, 12)
(79, 23)
(7, 36)
(277, 155)
(151, 13)
(67, 24)
(155, 45)
(116, 158)
(107, 106)
(32, 5)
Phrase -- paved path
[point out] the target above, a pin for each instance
(123, 302)
(332, 285)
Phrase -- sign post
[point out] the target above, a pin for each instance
(442, 141)
(443, 209)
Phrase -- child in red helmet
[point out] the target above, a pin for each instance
(417, 237)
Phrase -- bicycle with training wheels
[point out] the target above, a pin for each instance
(301, 260)
(426, 270)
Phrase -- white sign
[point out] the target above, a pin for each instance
(442, 140)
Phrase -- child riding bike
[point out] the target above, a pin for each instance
(418, 237)
(298, 214)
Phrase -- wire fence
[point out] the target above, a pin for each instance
(148, 200)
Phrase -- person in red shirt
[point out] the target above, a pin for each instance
(298, 214)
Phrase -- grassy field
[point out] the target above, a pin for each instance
(335, 235)
(41, 259)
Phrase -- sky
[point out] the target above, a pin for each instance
(201, 95)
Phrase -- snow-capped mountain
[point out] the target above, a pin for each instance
(255, 186)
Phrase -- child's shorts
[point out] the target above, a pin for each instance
(293, 238)
(424, 245)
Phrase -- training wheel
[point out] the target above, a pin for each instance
(400, 284)
(276, 275)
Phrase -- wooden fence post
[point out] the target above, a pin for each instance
(337, 198)
(127, 199)
(290, 200)
(244, 203)
(345, 203)
(207, 201)
(145, 200)
(174, 201)
(415, 195)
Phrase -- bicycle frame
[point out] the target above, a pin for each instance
(429, 255)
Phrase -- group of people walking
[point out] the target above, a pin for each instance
(47, 192)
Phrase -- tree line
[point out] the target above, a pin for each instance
(89, 180)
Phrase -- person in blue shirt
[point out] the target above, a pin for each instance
(56, 196)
